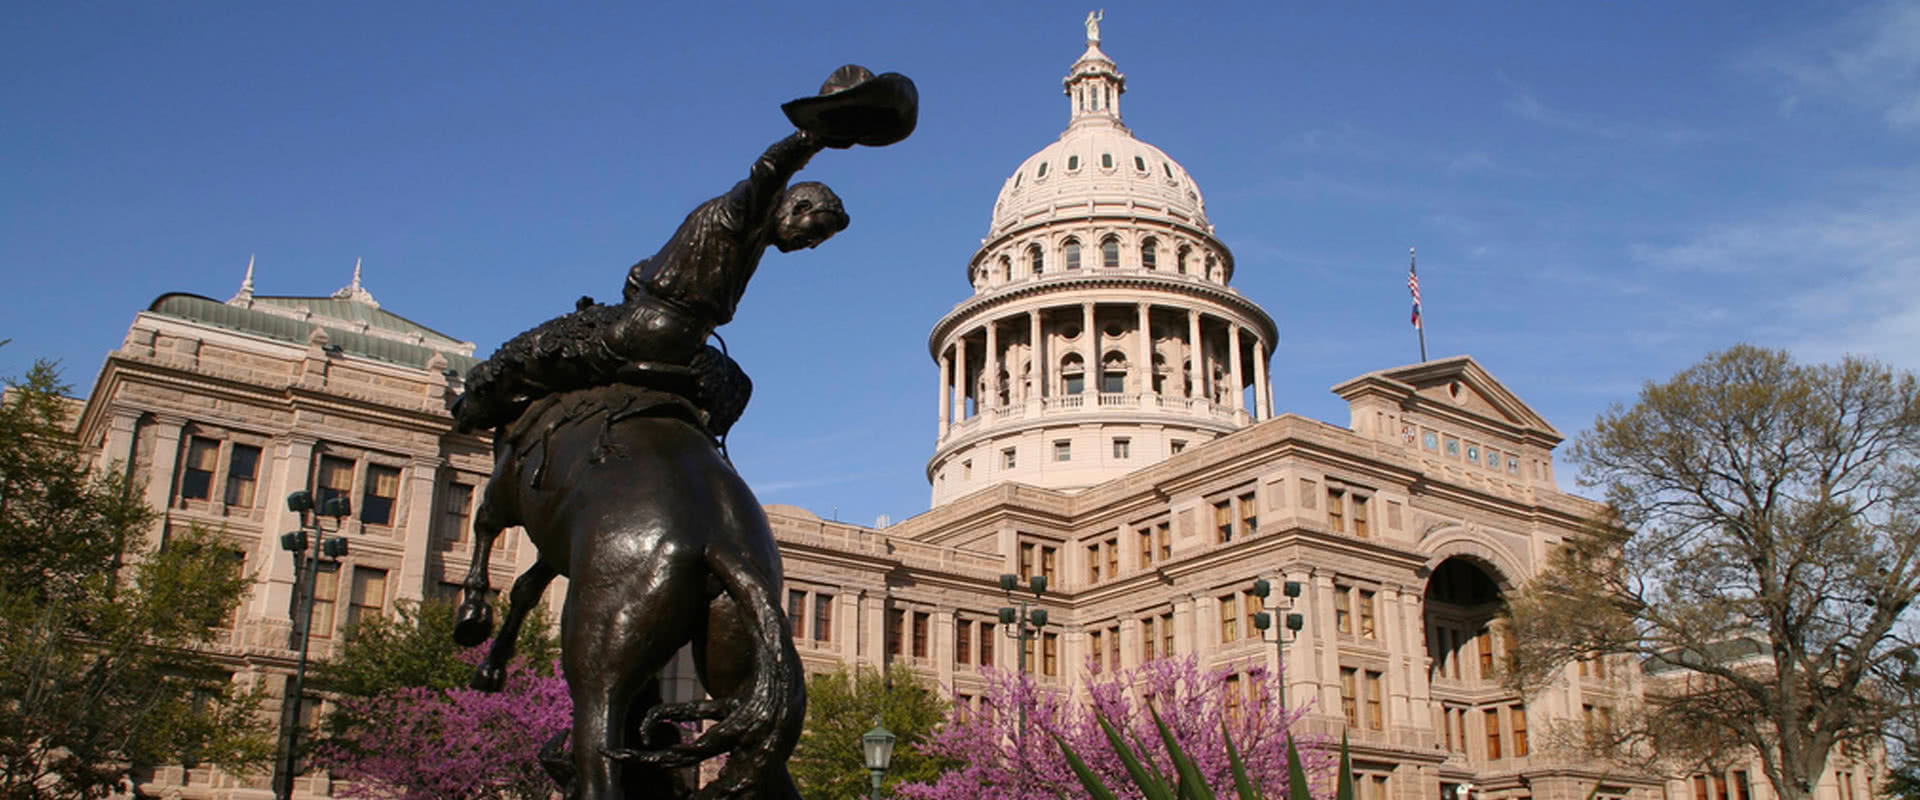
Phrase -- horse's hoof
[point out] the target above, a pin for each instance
(472, 624)
(487, 678)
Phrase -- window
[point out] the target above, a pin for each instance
(1062, 450)
(1096, 652)
(1249, 606)
(1166, 633)
(1174, 447)
(369, 595)
(896, 630)
(963, 642)
(1050, 655)
(1518, 716)
(1140, 163)
(1110, 253)
(1430, 441)
(1473, 455)
(1047, 558)
(1122, 448)
(243, 470)
(1360, 516)
(1375, 703)
(1336, 511)
(1249, 514)
(1147, 639)
(1113, 650)
(1113, 557)
(1093, 563)
(1036, 259)
(1180, 259)
(1343, 609)
(1073, 162)
(335, 479)
(1700, 787)
(196, 476)
(1366, 614)
(1223, 522)
(1042, 172)
(1150, 253)
(1349, 700)
(1028, 551)
(921, 622)
(1229, 618)
(383, 485)
(326, 590)
(455, 510)
(1453, 447)
(966, 470)
(1073, 254)
(1007, 460)
(822, 617)
(1163, 535)
(986, 643)
(1113, 374)
(1073, 373)
(797, 613)
(1742, 785)
(1484, 640)
(1513, 465)
(1492, 718)
(1106, 160)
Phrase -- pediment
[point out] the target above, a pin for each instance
(1458, 385)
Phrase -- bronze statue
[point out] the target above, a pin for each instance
(608, 424)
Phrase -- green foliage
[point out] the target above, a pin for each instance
(1153, 786)
(414, 648)
(842, 706)
(101, 666)
(1760, 553)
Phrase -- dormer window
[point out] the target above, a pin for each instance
(1042, 172)
(1140, 163)
(1169, 169)
(1106, 161)
(1073, 163)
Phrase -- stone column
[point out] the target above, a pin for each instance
(941, 649)
(1090, 351)
(1037, 358)
(1197, 358)
(946, 396)
(1144, 344)
(421, 478)
(991, 370)
(292, 461)
(1323, 650)
(1262, 401)
(960, 378)
(1184, 641)
(120, 443)
(846, 625)
(166, 465)
(1234, 385)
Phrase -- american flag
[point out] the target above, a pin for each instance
(1413, 285)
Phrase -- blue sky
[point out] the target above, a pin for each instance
(1601, 193)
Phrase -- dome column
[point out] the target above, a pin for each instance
(990, 395)
(960, 379)
(1090, 371)
(946, 398)
(1196, 360)
(1233, 367)
(1143, 343)
(1037, 361)
(1262, 391)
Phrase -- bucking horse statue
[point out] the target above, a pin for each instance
(609, 449)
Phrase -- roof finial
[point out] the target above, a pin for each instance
(356, 275)
(354, 291)
(245, 295)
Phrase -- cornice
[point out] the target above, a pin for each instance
(1068, 284)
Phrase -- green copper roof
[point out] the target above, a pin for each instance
(207, 311)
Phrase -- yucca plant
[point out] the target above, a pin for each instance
(1186, 783)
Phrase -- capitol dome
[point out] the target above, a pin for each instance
(1102, 334)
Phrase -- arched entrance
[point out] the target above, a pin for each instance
(1467, 644)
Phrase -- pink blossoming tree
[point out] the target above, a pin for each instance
(451, 744)
(1003, 760)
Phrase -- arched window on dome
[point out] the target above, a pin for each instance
(1180, 261)
(1036, 260)
(1006, 270)
(1113, 373)
(1072, 253)
(1110, 252)
(1160, 373)
(1073, 374)
(1213, 269)
(1150, 253)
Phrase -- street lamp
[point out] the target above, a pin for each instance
(1023, 623)
(877, 747)
(1262, 588)
(306, 571)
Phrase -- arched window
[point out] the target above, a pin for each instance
(1072, 253)
(1110, 252)
(1159, 374)
(1006, 270)
(1073, 374)
(1036, 259)
(1213, 269)
(1113, 373)
(1150, 253)
(1181, 260)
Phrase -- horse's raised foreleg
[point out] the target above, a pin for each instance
(491, 674)
(473, 621)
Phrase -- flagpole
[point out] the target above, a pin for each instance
(1413, 286)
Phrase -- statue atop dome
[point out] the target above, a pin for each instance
(1093, 25)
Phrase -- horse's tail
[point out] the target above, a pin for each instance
(762, 723)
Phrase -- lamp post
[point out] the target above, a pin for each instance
(306, 572)
(876, 746)
(1262, 588)
(1025, 622)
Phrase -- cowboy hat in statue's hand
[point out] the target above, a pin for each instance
(856, 106)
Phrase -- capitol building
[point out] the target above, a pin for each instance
(1105, 420)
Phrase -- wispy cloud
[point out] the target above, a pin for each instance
(777, 486)
(1870, 58)
(1522, 103)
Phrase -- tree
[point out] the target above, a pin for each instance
(1002, 760)
(1760, 554)
(414, 648)
(421, 743)
(842, 706)
(102, 669)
